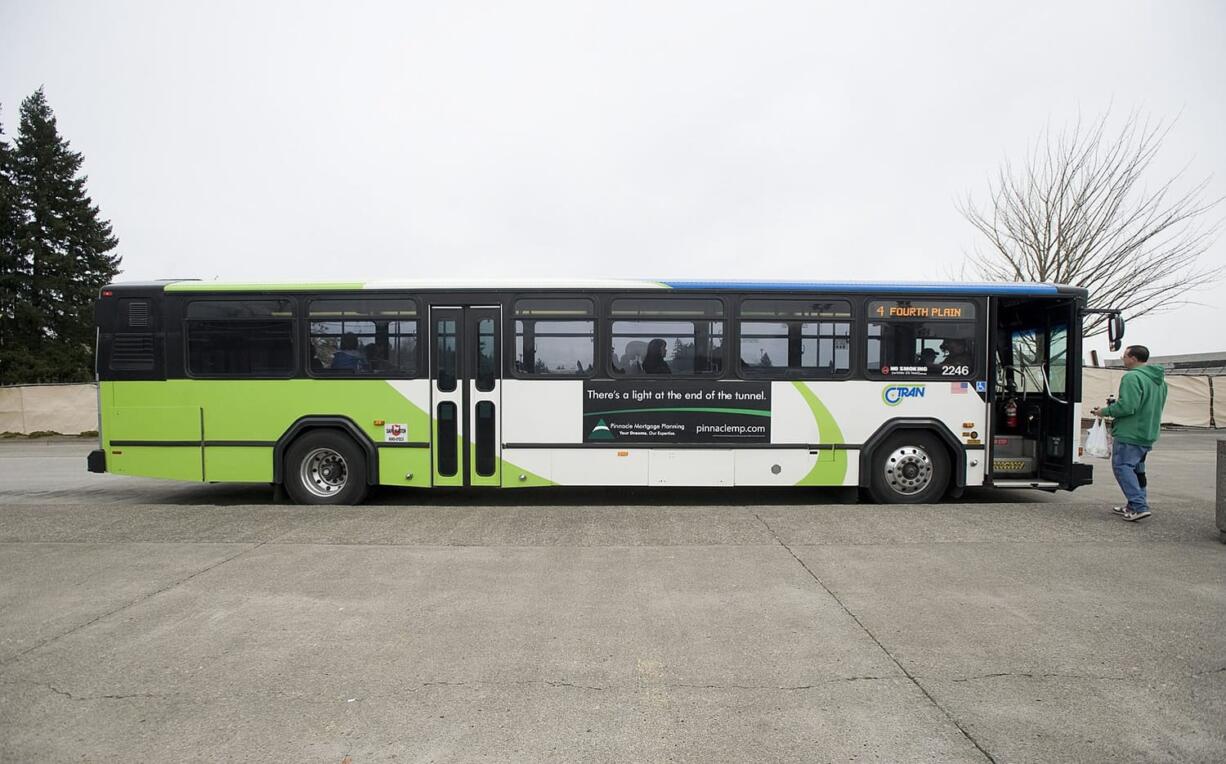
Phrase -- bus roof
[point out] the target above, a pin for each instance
(872, 287)
(1015, 289)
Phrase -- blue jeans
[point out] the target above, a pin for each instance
(1128, 464)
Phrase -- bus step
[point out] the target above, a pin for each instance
(1047, 484)
(1013, 465)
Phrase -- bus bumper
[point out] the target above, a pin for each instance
(96, 461)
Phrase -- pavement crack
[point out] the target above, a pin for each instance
(1209, 672)
(79, 698)
(779, 687)
(574, 686)
(550, 683)
(817, 579)
(663, 685)
(545, 682)
(1029, 675)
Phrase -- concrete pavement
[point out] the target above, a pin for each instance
(164, 621)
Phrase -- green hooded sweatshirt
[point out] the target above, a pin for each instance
(1138, 412)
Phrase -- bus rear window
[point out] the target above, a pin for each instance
(240, 338)
(240, 348)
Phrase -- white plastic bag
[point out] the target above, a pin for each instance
(1096, 441)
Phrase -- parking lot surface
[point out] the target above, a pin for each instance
(149, 620)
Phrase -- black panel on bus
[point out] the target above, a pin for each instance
(131, 333)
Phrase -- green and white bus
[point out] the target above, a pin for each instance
(911, 391)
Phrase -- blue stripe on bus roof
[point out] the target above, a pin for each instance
(870, 287)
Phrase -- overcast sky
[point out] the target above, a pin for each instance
(245, 140)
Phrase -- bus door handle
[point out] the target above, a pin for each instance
(1047, 385)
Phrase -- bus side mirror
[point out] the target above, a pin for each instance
(1115, 332)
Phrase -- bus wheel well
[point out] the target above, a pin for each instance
(343, 426)
(916, 424)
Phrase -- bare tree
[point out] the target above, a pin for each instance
(1077, 211)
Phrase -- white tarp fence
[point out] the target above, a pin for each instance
(1188, 398)
(66, 409)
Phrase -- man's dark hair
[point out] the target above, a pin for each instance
(1139, 352)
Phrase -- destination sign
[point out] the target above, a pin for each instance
(922, 310)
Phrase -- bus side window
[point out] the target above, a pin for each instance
(799, 339)
(363, 337)
(670, 336)
(240, 338)
(555, 337)
(656, 348)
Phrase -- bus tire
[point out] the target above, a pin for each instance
(325, 467)
(909, 467)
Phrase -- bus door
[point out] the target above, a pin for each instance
(1038, 381)
(1062, 379)
(465, 394)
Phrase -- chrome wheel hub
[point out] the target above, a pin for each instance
(324, 472)
(908, 470)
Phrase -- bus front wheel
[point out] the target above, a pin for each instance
(325, 467)
(910, 467)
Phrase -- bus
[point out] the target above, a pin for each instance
(909, 391)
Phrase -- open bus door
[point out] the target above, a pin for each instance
(1037, 386)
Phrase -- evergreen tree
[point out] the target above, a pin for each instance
(63, 255)
(10, 261)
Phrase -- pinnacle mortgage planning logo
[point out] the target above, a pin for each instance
(600, 432)
(896, 394)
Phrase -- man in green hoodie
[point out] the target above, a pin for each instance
(1138, 414)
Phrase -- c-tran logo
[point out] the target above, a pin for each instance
(896, 394)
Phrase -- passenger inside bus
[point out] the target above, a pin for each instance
(377, 357)
(956, 353)
(348, 356)
(631, 360)
(654, 362)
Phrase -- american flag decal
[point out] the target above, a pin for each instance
(959, 388)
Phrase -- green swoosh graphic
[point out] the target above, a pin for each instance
(824, 473)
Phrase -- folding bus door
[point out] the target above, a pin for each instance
(1034, 436)
(465, 394)
(1061, 367)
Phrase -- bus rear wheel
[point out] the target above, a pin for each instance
(911, 467)
(325, 467)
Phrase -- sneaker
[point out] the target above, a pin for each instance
(1120, 510)
(1132, 517)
